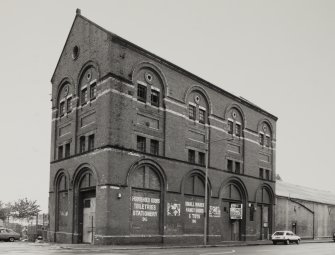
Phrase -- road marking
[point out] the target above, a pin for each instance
(264, 250)
(218, 253)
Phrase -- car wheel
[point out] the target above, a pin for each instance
(274, 242)
(287, 241)
(11, 239)
(298, 241)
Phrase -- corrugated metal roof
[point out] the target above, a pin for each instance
(285, 189)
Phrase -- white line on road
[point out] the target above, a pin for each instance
(218, 253)
(264, 250)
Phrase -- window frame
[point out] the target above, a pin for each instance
(93, 91)
(141, 143)
(82, 144)
(191, 112)
(191, 156)
(91, 142)
(154, 147)
(141, 89)
(155, 94)
(202, 116)
(83, 96)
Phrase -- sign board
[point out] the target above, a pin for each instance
(236, 211)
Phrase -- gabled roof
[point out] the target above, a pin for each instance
(293, 191)
(167, 63)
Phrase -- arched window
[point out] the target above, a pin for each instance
(265, 135)
(149, 87)
(197, 107)
(64, 102)
(62, 203)
(87, 181)
(235, 122)
(88, 85)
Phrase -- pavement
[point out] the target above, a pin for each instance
(165, 246)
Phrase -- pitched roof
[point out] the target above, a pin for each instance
(159, 59)
(289, 190)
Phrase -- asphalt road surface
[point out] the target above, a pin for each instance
(46, 249)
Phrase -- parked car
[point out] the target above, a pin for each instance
(7, 234)
(286, 237)
(334, 236)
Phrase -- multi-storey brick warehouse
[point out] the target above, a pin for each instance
(130, 137)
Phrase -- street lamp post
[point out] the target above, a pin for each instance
(206, 182)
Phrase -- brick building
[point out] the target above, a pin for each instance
(130, 137)
(310, 213)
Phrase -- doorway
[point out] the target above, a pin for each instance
(89, 220)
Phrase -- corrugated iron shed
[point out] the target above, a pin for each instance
(285, 189)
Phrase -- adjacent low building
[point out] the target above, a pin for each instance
(310, 213)
(132, 135)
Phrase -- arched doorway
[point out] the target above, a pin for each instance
(264, 212)
(146, 185)
(85, 198)
(233, 212)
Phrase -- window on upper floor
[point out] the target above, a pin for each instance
(237, 167)
(154, 98)
(93, 91)
(191, 112)
(201, 158)
(62, 108)
(154, 147)
(230, 127)
(141, 143)
(191, 156)
(67, 150)
(83, 96)
(82, 144)
(267, 141)
(91, 142)
(141, 93)
(237, 129)
(261, 173)
(60, 152)
(69, 104)
(229, 165)
(267, 174)
(261, 139)
(202, 114)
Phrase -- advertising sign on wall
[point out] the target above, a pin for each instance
(236, 211)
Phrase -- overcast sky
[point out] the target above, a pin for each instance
(278, 54)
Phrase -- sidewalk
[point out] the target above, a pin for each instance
(162, 246)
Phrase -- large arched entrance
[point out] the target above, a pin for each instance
(233, 202)
(264, 201)
(85, 206)
(146, 185)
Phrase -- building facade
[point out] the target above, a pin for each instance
(131, 137)
(309, 213)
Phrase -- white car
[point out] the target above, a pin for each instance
(286, 237)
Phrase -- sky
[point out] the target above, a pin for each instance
(279, 55)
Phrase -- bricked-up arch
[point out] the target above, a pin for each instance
(193, 208)
(84, 187)
(232, 194)
(147, 185)
(62, 203)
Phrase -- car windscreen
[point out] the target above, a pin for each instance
(279, 233)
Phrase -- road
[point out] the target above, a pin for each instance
(19, 248)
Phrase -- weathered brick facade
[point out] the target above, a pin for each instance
(130, 135)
